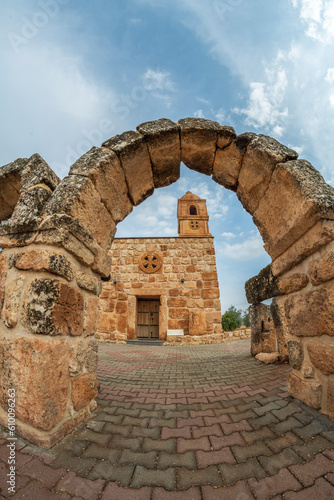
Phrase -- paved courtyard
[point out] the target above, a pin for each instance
(192, 423)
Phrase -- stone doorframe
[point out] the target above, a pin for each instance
(133, 312)
(56, 236)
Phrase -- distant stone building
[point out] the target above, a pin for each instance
(164, 288)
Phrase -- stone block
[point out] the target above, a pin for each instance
(107, 322)
(262, 287)
(292, 283)
(163, 141)
(210, 293)
(45, 260)
(122, 323)
(322, 356)
(37, 171)
(322, 269)
(3, 277)
(306, 390)
(267, 357)
(225, 136)
(132, 150)
(330, 399)
(12, 300)
(261, 157)
(29, 207)
(197, 322)
(179, 313)
(281, 328)
(296, 198)
(83, 389)
(121, 307)
(91, 316)
(77, 358)
(296, 354)
(38, 370)
(91, 360)
(315, 238)
(311, 314)
(52, 307)
(77, 197)
(89, 283)
(103, 168)
(176, 302)
(227, 165)
(198, 143)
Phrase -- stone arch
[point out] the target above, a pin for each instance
(55, 252)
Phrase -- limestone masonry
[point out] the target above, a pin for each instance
(56, 237)
(164, 288)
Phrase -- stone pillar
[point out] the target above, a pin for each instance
(263, 335)
(48, 353)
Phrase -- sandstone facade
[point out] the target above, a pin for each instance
(189, 308)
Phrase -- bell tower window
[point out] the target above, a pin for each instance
(192, 210)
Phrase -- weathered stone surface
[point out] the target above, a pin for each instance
(10, 187)
(225, 136)
(197, 322)
(17, 177)
(198, 143)
(322, 356)
(103, 168)
(228, 162)
(42, 385)
(262, 155)
(311, 314)
(296, 198)
(45, 260)
(292, 283)
(89, 282)
(163, 141)
(267, 357)
(84, 389)
(263, 336)
(322, 269)
(306, 390)
(77, 357)
(132, 150)
(281, 327)
(91, 355)
(330, 399)
(102, 263)
(91, 315)
(29, 207)
(3, 277)
(316, 237)
(37, 171)
(11, 305)
(296, 354)
(76, 196)
(53, 308)
(262, 287)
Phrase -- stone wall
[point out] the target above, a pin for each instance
(192, 306)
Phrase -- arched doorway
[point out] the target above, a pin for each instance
(56, 240)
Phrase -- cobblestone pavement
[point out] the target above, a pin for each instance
(192, 423)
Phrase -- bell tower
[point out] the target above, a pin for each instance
(192, 215)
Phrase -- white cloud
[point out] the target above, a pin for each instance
(228, 235)
(330, 76)
(158, 80)
(250, 249)
(199, 114)
(266, 109)
(318, 17)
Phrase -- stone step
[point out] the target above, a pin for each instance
(151, 342)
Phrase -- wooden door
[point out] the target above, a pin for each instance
(148, 319)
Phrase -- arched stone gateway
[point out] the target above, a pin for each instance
(56, 234)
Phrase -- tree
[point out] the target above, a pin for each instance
(233, 318)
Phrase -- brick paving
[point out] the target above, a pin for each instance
(190, 422)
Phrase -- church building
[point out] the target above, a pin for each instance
(164, 289)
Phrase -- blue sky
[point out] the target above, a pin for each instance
(75, 73)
